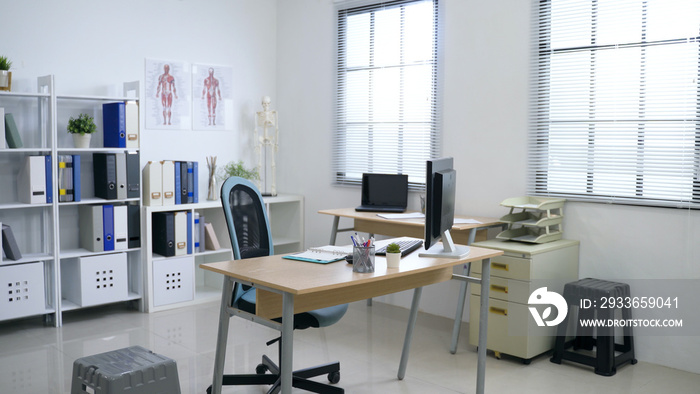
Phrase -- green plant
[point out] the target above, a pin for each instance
(237, 168)
(393, 248)
(5, 63)
(84, 124)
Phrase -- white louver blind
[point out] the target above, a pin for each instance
(387, 101)
(615, 101)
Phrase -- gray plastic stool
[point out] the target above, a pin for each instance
(605, 361)
(132, 370)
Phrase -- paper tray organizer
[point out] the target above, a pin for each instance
(539, 220)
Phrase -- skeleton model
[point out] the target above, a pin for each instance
(267, 120)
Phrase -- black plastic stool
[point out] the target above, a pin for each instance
(605, 362)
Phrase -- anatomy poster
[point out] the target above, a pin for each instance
(167, 95)
(211, 97)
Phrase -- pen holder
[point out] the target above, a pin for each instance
(363, 259)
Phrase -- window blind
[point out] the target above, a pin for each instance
(387, 110)
(615, 102)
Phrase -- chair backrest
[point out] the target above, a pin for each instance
(246, 218)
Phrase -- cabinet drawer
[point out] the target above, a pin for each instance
(507, 267)
(511, 329)
(512, 290)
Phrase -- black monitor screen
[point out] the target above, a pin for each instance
(385, 190)
(440, 184)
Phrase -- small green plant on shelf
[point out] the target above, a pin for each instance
(393, 248)
(5, 63)
(237, 168)
(84, 124)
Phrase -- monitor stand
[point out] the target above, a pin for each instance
(446, 249)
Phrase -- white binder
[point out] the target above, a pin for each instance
(131, 110)
(152, 183)
(180, 233)
(121, 175)
(168, 182)
(91, 227)
(31, 182)
(121, 227)
(3, 145)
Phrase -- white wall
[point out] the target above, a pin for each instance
(485, 79)
(92, 47)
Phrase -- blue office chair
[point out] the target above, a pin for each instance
(249, 229)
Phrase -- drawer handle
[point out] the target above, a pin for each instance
(502, 289)
(155, 195)
(181, 245)
(168, 194)
(499, 266)
(133, 137)
(498, 311)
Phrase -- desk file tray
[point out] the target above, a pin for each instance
(539, 220)
(322, 255)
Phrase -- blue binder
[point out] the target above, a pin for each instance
(196, 237)
(49, 181)
(190, 182)
(178, 184)
(195, 171)
(189, 232)
(108, 226)
(114, 122)
(76, 177)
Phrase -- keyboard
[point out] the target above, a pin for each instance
(406, 246)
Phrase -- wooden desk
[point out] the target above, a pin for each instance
(286, 287)
(464, 234)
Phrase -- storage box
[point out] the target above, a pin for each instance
(173, 280)
(95, 280)
(22, 290)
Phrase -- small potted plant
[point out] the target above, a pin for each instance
(5, 73)
(237, 168)
(393, 255)
(82, 128)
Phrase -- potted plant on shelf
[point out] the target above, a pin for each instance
(82, 128)
(393, 255)
(237, 168)
(5, 73)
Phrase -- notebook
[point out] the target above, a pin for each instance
(384, 193)
(323, 255)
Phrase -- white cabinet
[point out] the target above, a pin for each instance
(177, 281)
(47, 232)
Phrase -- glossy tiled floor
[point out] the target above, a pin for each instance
(38, 359)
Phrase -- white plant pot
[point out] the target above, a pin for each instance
(81, 140)
(393, 260)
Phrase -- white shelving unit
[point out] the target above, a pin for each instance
(286, 214)
(48, 232)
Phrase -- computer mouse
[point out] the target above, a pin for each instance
(348, 258)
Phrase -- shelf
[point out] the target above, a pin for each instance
(43, 151)
(22, 205)
(21, 94)
(94, 150)
(96, 200)
(95, 98)
(81, 252)
(157, 257)
(67, 305)
(539, 203)
(27, 258)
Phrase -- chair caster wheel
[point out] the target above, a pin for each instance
(261, 369)
(334, 377)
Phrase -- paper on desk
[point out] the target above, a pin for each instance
(412, 215)
(466, 221)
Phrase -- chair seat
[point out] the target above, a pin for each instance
(323, 317)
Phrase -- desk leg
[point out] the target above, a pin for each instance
(461, 299)
(483, 325)
(409, 332)
(221, 339)
(286, 357)
(334, 229)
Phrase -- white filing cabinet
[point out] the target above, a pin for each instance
(522, 269)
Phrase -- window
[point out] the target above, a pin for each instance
(615, 101)
(387, 112)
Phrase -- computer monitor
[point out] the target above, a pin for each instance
(441, 183)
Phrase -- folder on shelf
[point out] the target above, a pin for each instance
(196, 232)
(163, 233)
(9, 244)
(180, 233)
(65, 178)
(152, 183)
(178, 182)
(12, 132)
(132, 124)
(121, 227)
(105, 175)
(189, 232)
(114, 122)
(190, 182)
(183, 183)
(49, 179)
(91, 227)
(134, 223)
(133, 181)
(76, 178)
(108, 226)
(202, 246)
(168, 182)
(195, 171)
(31, 181)
(121, 175)
(210, 239)
(3, 145)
